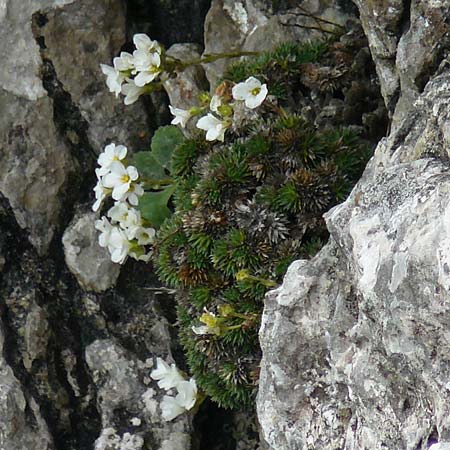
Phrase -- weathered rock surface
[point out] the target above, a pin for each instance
(19, 412)
(56, 111)
(407, 41)
(355, 341)
(252, 25)
(126, 393)
(90, 263)
(184, 89)
(56, 114)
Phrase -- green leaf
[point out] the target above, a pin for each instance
(153, 206)
(148, 167)
(164, 142)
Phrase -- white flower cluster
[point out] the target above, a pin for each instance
(216, 122)
(131, 73)
(124, 233)
(170, 377)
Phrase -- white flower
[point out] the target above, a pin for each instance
(128, 218)
(136, 190)
(145, 236)
(112, 153)
(118, 246)
(120, 179)
(170, 408)
(181, 116)
(168, 376)
(187, 393)
(216, 101)
(131, 91)
(143, 42)
(100, 194)
(214, 127)
(251, 91)
(114, 78)
(119, 212)
(136, 422)
(147, 66)
(140, 255)
(201, 330)
(104, 226)
(124, 62)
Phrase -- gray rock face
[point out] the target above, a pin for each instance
(251, 25)
(19, 413)
(406, 40)
(184, 89)
(90, 263)
(36, 165)
(355, 340)
(124, 386)
(55, 108)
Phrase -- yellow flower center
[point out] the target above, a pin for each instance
(255, 91)
(124, 179)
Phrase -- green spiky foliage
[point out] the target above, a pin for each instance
(245, 209)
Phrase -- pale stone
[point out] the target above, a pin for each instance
(90, 263)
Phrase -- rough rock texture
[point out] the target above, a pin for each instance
(56, 114)
(253, 25)
(407, 41)
(55, 109)
(183, 90)
(19, 413)
(125, 394)
(354, 341)
(90, 263)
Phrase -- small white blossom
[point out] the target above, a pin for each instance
(214, 127)
(216, 101)
(119, 213)
(167, 376)
(120, 179)
(181, 116)
(124, 62)
(112, 153)
(118, 246)
(251, 91)
(104, 226)
(201, 330)
(131, 91)
(171, 408)
(136, 422)
(140, 255)
(132, 196)
(147, 67)
(101, 192)
(145, 236)
(187, 393)
(114, 78)
(144, 43)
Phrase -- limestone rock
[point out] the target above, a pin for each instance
(125, 398)
(19, 413)
(406, 40)
(90, 263)
(354, 341)
(76, 39)
(36, 165)
(251, 25)
(183, 90)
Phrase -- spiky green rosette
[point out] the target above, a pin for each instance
(244, 210)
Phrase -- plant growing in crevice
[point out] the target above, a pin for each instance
(232, 208)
